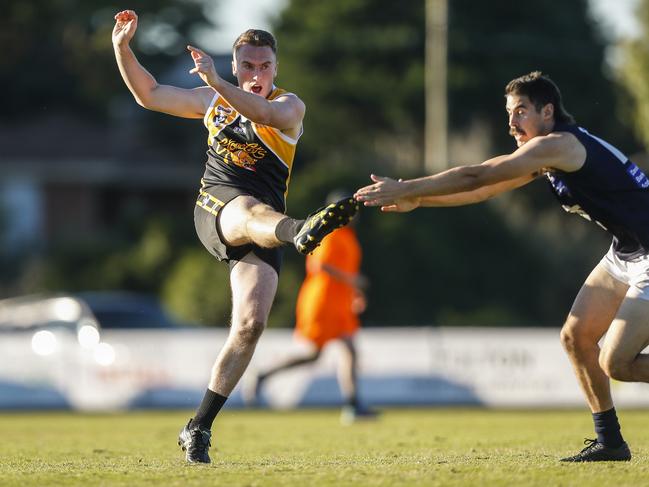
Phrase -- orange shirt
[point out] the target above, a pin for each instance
(324, 303)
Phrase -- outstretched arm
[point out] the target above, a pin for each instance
(470, 184)
(456, 199)
(477, 195)
(357, 281)
(144, 87)
(284, 113)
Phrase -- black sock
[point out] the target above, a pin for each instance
(287, 229)
(207, 411)
(607, 428)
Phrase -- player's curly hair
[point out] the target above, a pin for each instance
(256, 37)
(541, 90)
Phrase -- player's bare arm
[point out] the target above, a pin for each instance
(284, 113)
(357, 281)
(146, 90)
(459, 199)
(470, 184)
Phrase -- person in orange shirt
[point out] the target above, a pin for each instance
(328, 307)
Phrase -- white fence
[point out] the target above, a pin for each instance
(499, 367)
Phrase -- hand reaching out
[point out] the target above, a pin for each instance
(125, 27)
(203, 66)
(401, 205)
(387, 193)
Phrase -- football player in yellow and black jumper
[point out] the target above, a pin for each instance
(239, 215)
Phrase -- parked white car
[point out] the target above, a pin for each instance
(56, 350)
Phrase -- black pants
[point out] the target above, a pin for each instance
(206, 214)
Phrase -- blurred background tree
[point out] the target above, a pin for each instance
(61, 63)
(634, 73)
(61, 52)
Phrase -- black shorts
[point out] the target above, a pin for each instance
(206, 213)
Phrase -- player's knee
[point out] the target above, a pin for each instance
(576, 338)
(253, 213)
(570, 338)
(235, 218)
(250, 329)
(260, 210)
(614, 367)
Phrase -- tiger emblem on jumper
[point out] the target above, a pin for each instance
(243, 159)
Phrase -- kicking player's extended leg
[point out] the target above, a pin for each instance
(246, 220)
(591, 315)
(253, 284)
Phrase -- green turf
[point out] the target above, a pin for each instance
(445, 447)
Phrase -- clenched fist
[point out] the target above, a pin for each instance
(125, 27)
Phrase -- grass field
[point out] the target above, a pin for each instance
(431, 447)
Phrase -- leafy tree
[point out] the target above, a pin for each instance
(197, 289)
(634, 73)
(58, 54)
(358, 64)
(493, 42)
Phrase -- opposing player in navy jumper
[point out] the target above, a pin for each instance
(253, 129)
(592, 178)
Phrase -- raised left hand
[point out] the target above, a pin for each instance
(203, 66)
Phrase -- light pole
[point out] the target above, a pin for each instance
(436, 126)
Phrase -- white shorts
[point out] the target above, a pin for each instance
(634, 273)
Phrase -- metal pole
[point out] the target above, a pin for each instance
(436, 129)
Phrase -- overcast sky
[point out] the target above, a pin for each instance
(617, 16)
(235, 16)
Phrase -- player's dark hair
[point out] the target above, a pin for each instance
(256, 37)
(541, 90)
